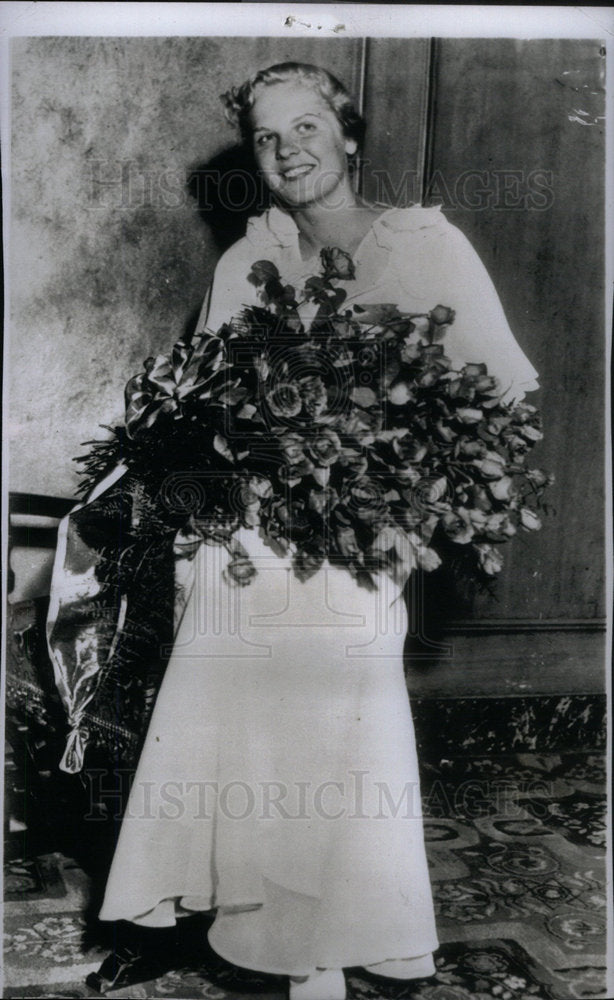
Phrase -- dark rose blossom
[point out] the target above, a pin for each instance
(479, 498)
(337, 263)
(284, 400)
(538, 478)
(408, 448)
(498, 527)
(262, 271)
(457, 526)
(364, 498)
(491, 466)
(313, 393)
(467, 448)
(325, 447)
(297, 464)
(307, 562)
(355, 463)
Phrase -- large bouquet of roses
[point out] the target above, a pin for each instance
(341, 433)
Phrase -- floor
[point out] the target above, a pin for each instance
(516, 847)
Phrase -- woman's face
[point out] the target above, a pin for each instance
(300, 147)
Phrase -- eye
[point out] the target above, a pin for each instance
(303, 128)
(264, 139)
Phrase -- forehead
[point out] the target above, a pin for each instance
(281, 102)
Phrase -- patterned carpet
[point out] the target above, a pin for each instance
(516, 848)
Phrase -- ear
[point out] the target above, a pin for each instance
(351, 146)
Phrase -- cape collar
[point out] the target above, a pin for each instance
(277, 228)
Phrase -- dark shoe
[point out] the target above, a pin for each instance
(126, 966)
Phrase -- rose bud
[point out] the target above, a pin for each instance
(442, 315)
(458, 527)
(262, 270)
(537, 477)
(490, 560)
(337, 263)
(529, 519)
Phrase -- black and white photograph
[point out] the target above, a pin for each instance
(307, 500)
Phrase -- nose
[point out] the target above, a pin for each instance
(286, 147)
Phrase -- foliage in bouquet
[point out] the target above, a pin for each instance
(343, 433)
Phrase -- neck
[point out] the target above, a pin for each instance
(321, 225)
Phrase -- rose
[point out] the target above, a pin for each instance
(355, 463)
(457, 526)
(529, 519)
(442, 315)
(346, 542)
(499, 527)
(427, 558)
(409, 351)
(467, 448)
(323, 500)
(297, 464)
(496, 425)
(479, 497)
(476, 376)
(364, 498)
(524, 412)
(307, 563)
(284, 400)
(531, 433)
(492, 466)
(420, 325)
(408, 448)
(325, 447)
(400, 393)
(537, 478)
(313, 394)
(337, 264)
(468, 415)
(261, 271)
(489, 559)
(502, 488)
(239, 570)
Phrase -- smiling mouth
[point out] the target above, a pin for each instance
(295, 172)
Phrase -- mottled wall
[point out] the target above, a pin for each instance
(109, 258)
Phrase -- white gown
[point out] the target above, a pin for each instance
(279, 778)
(279, 781)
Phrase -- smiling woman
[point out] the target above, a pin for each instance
(305, 132)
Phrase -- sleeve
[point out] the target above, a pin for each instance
(456, 277)
(230, 291)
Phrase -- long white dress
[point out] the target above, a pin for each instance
(278, 782)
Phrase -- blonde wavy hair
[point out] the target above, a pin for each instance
(238, 101)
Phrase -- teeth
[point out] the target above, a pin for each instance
(297, 171)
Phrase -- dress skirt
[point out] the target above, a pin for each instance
(278, 782)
